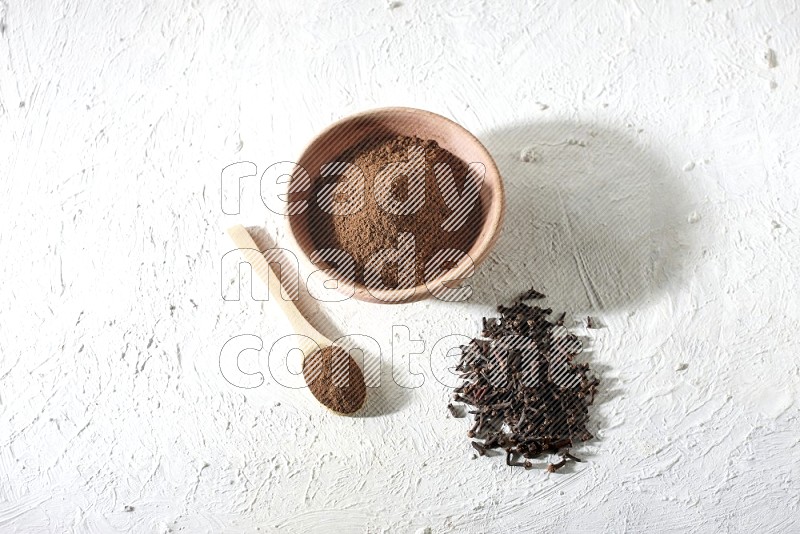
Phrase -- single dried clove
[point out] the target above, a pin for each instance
(531, 294)
(552, 468)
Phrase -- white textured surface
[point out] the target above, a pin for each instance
(676, 224)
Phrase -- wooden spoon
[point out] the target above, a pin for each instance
(325, 365)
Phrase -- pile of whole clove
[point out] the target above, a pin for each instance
(528, 395)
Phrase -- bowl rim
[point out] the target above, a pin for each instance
(493, 214)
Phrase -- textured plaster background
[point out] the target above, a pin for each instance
(661, 197)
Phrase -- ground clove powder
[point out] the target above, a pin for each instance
(335, 379)
(372, 228)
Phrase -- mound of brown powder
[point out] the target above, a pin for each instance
(335, 380)
(372, 228)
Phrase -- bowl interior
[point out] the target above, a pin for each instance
(342, 135)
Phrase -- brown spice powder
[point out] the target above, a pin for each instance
(372, 228)
(335, 379)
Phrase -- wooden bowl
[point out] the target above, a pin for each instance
(341, 135)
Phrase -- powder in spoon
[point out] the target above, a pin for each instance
(335, 379)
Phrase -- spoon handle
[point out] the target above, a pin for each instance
(251, 252)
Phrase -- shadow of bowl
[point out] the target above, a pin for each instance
(594, 218)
